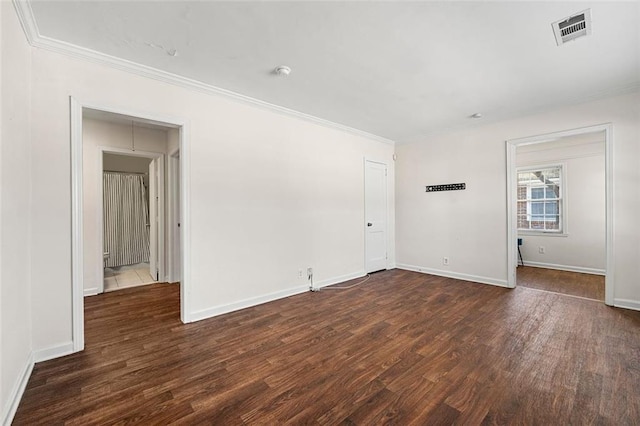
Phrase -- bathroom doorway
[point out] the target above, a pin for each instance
(130, 220)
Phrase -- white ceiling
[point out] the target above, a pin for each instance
(399, 70)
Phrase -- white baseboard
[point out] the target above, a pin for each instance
(246, 303)
(53, 352)
(223, 309)
(340, 279)
(456, 275)
(627, 303)
(578, 269)
(10, 408)
(91, 291)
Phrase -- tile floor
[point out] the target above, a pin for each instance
(127, 276)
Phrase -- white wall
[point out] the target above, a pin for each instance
(270, 194)
(581, 247)
(15, 229)
(128, 164)
(125, 163)
(96, 134)
(173, 140)
(470, 226)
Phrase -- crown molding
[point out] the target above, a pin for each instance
(27, 21)
(35, 39)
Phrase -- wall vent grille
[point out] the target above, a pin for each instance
(572, 27)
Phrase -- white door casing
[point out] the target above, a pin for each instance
(153, 218)
(376, 220)
(176, 226)
(174, 273)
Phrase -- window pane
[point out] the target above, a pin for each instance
(525, 177)
(522, 192)
(552, 174)
(551, 208)
(553, 224)
(537, 193)
(523, 223)
(537, 208)
(551, 192)
(522, 207)
(537, 223)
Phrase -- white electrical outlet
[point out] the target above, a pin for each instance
(541, 250)
(445, 261)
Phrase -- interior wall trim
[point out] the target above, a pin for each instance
(15, 396)
(336, 280)
(579, 269)
(90, 291)
(627, 304)
(53, 352)
(561, 158)
(246, 303)
(269, 297)
(30, 27)
(456, 275)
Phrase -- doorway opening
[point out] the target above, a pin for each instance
(112, 142)
(559, 213)
(133, 206)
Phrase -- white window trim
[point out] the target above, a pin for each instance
(564, 231)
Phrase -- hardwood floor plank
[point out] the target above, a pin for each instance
(565, 282)
(402, 348)
(370, 410)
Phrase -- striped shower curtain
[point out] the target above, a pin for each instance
(126, 214)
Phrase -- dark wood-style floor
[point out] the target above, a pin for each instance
(403, 348)
(565, 282)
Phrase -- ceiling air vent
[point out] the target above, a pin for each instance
(572, 27)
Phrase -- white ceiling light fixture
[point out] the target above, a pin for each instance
(572, 27)
(282, 70)
(476, 115)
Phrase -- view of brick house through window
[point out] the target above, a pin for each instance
(540, 199)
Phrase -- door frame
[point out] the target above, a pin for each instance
(386, 209)
(161, 214)
(77, 280)
(173, 255)
(512, 196)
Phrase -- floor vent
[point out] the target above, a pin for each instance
(572, 27)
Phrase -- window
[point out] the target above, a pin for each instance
(540, 199)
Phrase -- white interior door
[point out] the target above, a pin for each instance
(154, 175)
(375, 200)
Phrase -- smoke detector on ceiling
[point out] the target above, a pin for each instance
(282, 70)
(572, 27)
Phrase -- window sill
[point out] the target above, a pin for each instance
(542, 234)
